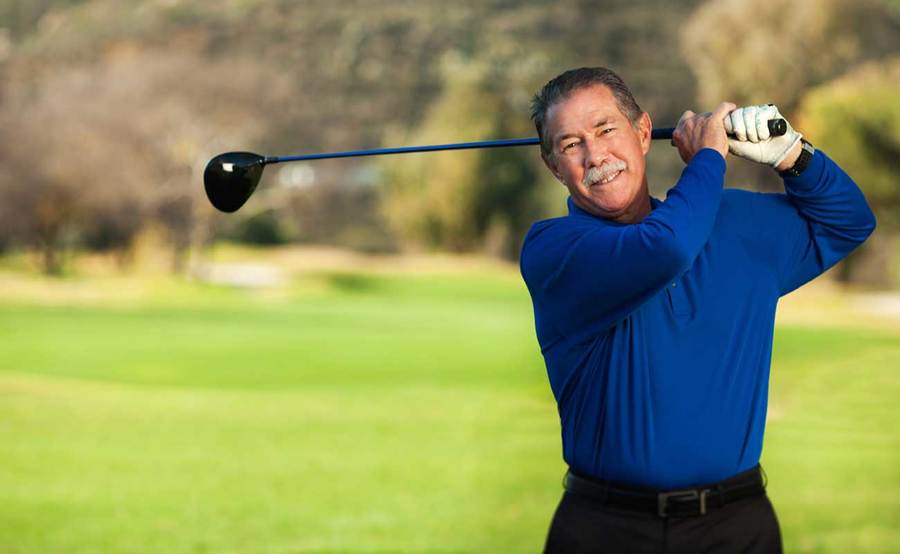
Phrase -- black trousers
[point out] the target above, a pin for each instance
(581, 525)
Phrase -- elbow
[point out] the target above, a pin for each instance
(870, 225)
(865, 228)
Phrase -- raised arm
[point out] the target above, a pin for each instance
(823, 216)
(836, 219)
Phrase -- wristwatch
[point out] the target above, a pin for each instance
(806, 155)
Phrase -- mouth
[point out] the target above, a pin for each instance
(607, 179)
(605, 174)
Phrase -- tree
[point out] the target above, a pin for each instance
(99, 149)
(856, 119)
(454, 200)
(772, 51)
(203, 78)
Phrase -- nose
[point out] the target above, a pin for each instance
(596, 153)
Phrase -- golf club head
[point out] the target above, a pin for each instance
(231, 178)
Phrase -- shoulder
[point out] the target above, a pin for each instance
(556, 229)
(547, 241)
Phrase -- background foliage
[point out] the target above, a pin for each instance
(293, 77)
(132, 97)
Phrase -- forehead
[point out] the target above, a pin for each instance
(582, 107)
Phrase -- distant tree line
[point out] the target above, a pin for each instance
(109, 110)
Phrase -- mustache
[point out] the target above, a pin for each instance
(597, 174)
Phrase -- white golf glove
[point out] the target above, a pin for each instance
(751, 140)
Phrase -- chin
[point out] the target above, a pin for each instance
(612, 206)
(616, 200)
(600, 209)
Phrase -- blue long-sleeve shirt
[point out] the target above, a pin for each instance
(657, 336)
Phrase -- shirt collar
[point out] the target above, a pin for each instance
(575, 210)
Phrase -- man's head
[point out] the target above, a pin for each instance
(594, 137)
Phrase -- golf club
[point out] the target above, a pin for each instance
(232, 177)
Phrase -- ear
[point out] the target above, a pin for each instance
(552, 166)
(645, 130)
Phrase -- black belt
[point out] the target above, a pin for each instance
(679, 503)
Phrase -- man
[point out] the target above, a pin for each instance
(655, 318)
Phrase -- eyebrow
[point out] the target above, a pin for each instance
(599, 123)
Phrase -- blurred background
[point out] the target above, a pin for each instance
(348, 364)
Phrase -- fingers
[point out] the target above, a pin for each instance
(749, 115)
(679, 135)
(751, 123)
(747, 129)
(722, 110)
(697, 131)
(762, 125)
(729, 122)
(686, 115)
(679, 127)
(738, 125)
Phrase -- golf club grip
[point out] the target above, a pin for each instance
(777, 127)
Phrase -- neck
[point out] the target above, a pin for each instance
(636, 212)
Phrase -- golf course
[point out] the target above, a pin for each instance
(361, 404)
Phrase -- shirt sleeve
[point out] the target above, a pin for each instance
(586, 274)
(830, 218)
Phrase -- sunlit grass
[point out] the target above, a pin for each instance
(355, 409)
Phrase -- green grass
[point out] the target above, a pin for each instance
(362, 413)
(834, 453)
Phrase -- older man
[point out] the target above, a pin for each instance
(655, 318)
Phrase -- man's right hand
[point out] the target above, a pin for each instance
(695, 132)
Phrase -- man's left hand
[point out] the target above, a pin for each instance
(752, 141)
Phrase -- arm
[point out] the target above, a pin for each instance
(585, 275)
(825, 216)
(834, 219)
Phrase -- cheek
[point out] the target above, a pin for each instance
(571, 171)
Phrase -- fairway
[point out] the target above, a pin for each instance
(360, 411)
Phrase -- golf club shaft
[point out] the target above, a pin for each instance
(404, 150)
(663, 133)
(777, 127)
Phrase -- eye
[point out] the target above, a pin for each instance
(607, 130)
(568, 146)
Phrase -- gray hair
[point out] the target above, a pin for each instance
(562, 85)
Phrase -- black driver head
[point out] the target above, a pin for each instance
(231, 178)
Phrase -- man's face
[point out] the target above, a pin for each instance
(598, 154)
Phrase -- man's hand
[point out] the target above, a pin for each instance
(695, 132)
(751, 139)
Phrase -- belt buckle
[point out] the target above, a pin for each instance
(662, 500)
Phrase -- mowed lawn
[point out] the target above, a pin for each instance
(367, 412)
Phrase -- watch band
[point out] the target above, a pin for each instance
(806, 155)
